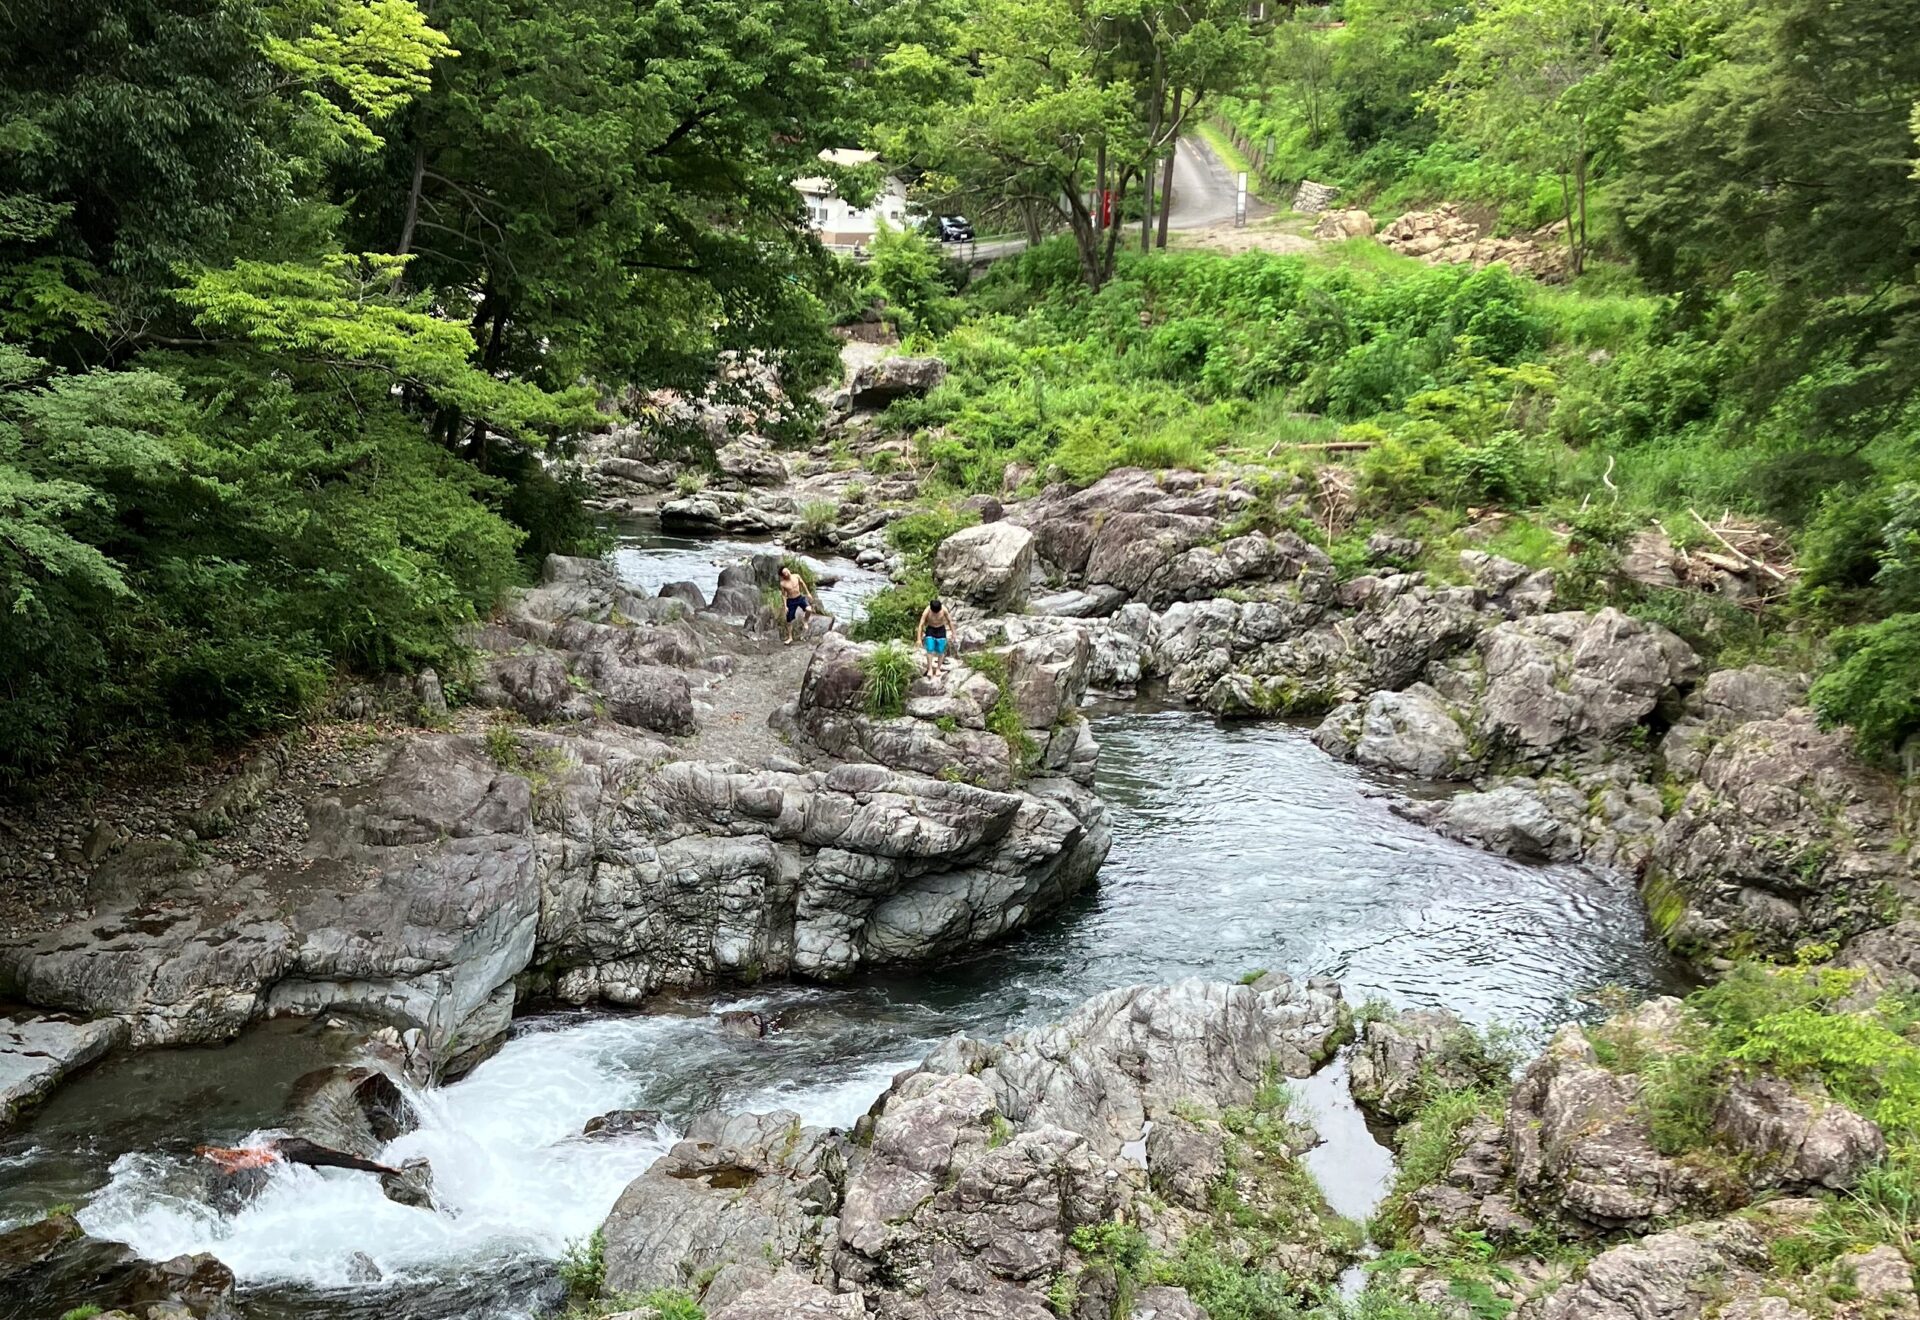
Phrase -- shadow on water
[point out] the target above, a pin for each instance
(1237, 847)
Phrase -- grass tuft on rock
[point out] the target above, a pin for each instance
(890, 672)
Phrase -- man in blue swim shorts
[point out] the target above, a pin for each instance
(933, 636)
(799, 605)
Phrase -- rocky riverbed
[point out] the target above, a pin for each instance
(643, 792)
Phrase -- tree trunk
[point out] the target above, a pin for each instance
(1580, 190)
(405, 245)
(1156, 115)
(1111, 251)
(1085, 225)
(1566, 218)
(1166, 173)
(1100, 188)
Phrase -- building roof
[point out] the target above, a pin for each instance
(845, 157)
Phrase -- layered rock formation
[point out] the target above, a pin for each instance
(984, 1183)
(618, 848)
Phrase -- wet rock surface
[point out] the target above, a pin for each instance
(961, 1193)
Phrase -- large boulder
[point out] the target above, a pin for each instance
(1797, 1137)
(418, 903)
(1536, 820)
(1727, 699)
(1785, 837)
(878, 384)
(1047, 676)
(715, 870)
(1554, 684)
(989, 565)
(1413, 732)
(735, 1198)
(1343, 224)
(750, 460)
(1403, 1059)
(1581, 1145)
(1068, 524)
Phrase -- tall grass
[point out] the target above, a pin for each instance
(890, 671)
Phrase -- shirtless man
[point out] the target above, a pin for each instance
(799, 605)
(934, 622)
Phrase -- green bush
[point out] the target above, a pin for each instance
(1004, 718)
(890, 671)
(1873, 683)
(1793, 1022)
(817, 518)
(893, 613)
(584, 1266)
(918, 534)
(908, 270)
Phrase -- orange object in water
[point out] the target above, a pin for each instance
(235, 1158)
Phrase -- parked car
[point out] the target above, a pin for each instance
(953, 229)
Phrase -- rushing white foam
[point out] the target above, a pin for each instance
(511, 1176)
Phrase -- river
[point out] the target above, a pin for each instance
(1237, 847)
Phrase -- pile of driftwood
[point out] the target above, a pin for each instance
(1738, 558)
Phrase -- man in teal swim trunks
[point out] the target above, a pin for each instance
(933, 636)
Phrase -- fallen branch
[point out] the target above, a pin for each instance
(1330, 447)
(1737, 552)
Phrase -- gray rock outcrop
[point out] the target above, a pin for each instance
(37, 1053)
(1403, 1059)
(1553, 682)
(878, 384)
(1413, 732)
(960, 1194)
(989, 565)
(1786, 836)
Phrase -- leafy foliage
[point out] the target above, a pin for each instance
(890, 671)
(1874, 682)
(909, 272)
(294, 294)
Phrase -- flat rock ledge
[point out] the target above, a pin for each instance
(598, 837)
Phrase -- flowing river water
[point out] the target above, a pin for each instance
(1236, 847)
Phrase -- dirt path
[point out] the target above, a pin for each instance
(1284, 234)
(733, 713)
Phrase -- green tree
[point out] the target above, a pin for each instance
(608, 185)
(1070, 102)
(1792, 159)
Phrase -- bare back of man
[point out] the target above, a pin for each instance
(793, 589)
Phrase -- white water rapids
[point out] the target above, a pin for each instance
(511, 1174)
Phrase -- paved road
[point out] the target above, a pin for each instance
(1203, 195)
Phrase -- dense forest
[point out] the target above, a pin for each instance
(295, 294)
(297, 297)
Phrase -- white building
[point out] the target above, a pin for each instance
(846, 227)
